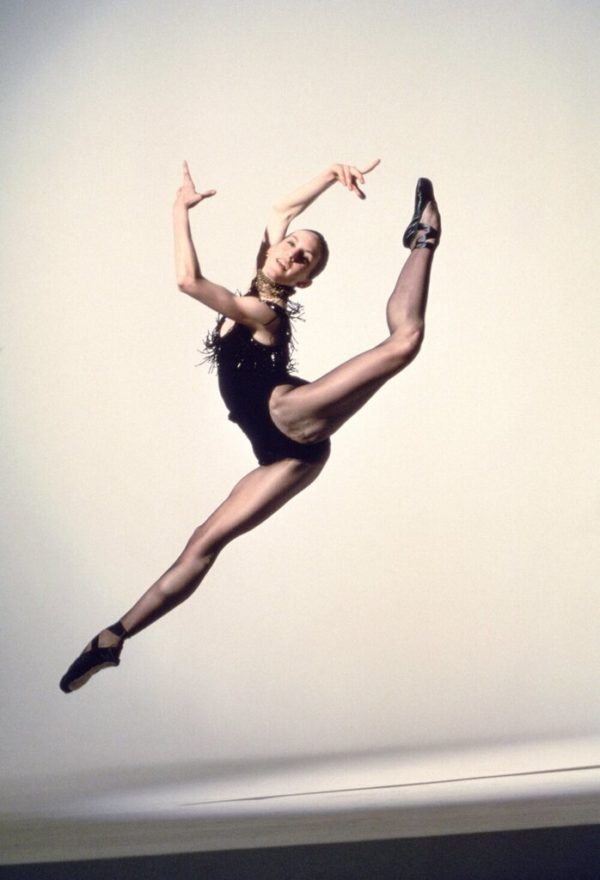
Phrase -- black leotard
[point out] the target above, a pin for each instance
(248, 371)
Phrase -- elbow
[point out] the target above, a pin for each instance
(185, 283)
(286, 215)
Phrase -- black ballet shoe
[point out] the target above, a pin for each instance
(430, 237)
(92, 661)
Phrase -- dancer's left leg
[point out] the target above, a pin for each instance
(312, 412)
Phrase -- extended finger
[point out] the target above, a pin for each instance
(370, 166)
(208, 193)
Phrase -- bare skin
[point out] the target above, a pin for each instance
(308, 413)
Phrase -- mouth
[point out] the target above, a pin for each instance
(281, 264)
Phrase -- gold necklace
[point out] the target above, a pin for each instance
(270, 291)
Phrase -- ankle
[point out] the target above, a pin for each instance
(112, 636)
(117, 629)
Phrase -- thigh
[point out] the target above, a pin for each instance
(311, 412)
(258, 496)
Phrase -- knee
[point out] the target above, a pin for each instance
(405, 343)
(203, 546)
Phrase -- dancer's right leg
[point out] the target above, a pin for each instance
(253, 500)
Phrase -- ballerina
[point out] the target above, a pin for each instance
(288, 420)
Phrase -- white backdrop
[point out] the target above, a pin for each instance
(437, 586)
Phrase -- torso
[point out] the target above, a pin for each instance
(265, 334)
(250, 364)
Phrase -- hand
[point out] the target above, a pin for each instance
(187, 195)
(348, 175)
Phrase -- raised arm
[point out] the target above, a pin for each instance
(190, 280)
(284, 211)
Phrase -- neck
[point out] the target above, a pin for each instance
(270, 291)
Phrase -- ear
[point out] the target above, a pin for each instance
(303, 284)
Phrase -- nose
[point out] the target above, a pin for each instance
(296, 255)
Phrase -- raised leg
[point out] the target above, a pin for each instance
(255, 498)
(312, 412)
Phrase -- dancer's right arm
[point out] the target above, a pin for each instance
(245, 310)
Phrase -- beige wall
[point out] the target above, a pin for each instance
(437, 586)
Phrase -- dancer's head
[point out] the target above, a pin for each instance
(323, 258)
(297, 259)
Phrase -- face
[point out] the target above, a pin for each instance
(292, 260)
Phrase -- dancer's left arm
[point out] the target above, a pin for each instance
(288, 208)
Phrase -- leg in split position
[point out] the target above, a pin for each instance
(255, 498)
(312, 412)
